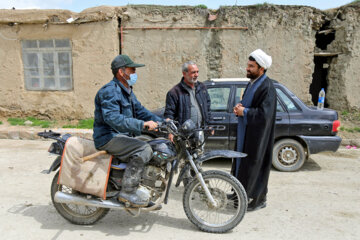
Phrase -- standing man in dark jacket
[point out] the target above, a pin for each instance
(188, 99)
(119, 117)
(255, 136)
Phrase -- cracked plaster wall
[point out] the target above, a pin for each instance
(91, 54)
(344, 72)
(287, 33)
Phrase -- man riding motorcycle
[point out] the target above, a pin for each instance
(118, 117)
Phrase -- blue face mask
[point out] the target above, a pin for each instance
(132, 80)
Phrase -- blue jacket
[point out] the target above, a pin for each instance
(118, 112)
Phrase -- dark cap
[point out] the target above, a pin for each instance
(124, 61)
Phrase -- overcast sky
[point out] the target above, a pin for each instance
(79, 5)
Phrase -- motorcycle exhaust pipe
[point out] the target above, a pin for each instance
(61, 197)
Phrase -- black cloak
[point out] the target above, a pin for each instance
(254, 170)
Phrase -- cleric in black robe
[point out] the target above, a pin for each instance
(255, 136)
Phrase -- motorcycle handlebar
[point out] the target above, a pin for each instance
(169, 126)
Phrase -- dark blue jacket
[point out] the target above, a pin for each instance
(178, 103)
(118, 112)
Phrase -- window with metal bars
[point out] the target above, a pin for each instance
(47, 64)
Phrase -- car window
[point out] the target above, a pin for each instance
(239, 94)
(288, 102)
(219, 98)
(279, 108)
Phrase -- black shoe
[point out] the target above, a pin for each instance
(233, 198)
(256, 205)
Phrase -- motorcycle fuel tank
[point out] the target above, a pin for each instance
(163, 151)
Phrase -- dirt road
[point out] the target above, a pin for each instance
(322, 201)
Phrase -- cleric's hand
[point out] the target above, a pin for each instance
(239, 110)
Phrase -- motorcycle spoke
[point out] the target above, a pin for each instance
(225, 211)
(75, 213)
(81, 210)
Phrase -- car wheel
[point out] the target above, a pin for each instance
(288, 155)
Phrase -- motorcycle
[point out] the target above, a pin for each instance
(213, 200)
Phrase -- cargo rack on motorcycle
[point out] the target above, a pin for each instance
(54, 135)
(49, 134)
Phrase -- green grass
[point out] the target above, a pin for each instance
(69, 126)
(83, 124)
(261, 4)
(1, 122)
(355, 129)
(201, 6)
(16, 121)
(35, 122)
(353, 115)
(344, 113)
(41, 123)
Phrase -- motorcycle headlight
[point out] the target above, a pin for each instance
(197, 139)
(188, 128)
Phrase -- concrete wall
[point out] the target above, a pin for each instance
(344, 72)
(93, 46)
(287, 33)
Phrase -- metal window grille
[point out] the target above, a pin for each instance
(47, 64)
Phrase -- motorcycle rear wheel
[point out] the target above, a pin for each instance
(229, 195)
(76, 214)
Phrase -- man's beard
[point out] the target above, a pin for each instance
(193, 80)
(252, 76)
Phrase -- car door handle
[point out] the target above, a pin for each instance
(218, 118)
(218, 127)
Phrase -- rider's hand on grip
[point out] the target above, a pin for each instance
(171, 137)
(151, 125)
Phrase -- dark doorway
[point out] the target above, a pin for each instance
(324, 36)
(319, 78)
(322, 60)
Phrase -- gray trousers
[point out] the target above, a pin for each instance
(127, 148)
(134, 151)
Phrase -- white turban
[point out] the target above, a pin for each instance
(261, 58)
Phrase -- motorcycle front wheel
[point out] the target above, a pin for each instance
(77, 214)
(230, 198)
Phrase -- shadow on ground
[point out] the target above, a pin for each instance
(115, 223)
(310, 165)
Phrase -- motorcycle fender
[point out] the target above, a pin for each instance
(220, 154)
(54, 166)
